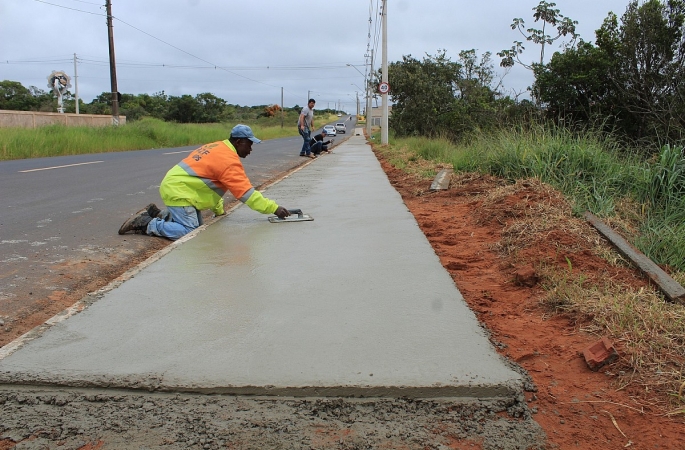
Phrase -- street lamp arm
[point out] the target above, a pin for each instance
(355, 68)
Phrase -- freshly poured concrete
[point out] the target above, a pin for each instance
(353, 303)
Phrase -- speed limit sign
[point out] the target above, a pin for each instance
(383, 88)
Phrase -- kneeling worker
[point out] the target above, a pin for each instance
(200, 182)
(318, 145)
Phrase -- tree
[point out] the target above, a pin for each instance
(155, 105)
(423, 93)
(14, 96)
(575, 84)
(183, 109)
(439, 97)
(648, 73)
(211, 108)
(546, 13)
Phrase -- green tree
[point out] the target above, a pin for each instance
(211, 108)
(648, 71)
(549, 16)
(440, 97)
(575, 84)
(155, 105)
(14, 96)
(423, 93)
(183, 109)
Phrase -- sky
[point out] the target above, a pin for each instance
(251, 52)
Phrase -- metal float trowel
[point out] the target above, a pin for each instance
(296, 215)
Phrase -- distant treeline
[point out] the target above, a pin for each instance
(202, 108)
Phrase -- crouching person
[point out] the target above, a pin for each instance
(199, 182)
(318, 144)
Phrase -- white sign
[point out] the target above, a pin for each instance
(383, 88)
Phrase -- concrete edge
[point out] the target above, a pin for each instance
(509, 390)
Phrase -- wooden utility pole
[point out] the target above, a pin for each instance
(112, 66)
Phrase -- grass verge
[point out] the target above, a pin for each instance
(58, 140)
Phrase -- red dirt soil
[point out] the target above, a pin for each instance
(577, 408)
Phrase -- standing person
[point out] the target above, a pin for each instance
(304, 125)
(200, 182)
(317, 143)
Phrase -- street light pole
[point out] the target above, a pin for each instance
(367, 91)
(360, 89)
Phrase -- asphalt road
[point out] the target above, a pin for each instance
(58, 227)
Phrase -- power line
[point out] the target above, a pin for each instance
(73, 9)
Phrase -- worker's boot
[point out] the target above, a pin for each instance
(153, 210)
(137, 223)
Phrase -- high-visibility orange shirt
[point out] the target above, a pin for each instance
(202, 179)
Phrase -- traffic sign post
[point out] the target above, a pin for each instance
(383, 88)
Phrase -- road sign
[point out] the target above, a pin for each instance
(383, 88)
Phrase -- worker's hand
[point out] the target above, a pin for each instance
(281, 212)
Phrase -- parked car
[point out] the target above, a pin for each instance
(340, 127)
(330, 130)
(339, 115)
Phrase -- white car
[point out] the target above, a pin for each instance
(330, 130)
(340, 128)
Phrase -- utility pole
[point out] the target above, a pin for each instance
(384, 119)
(357, 104)
(112, 66)
(369, 93)
(281, 106)
(75, 84)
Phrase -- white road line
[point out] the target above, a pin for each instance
(173, 153)
(59, 167)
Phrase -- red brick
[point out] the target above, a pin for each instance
(600, 354)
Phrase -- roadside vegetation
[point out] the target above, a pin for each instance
(601, 126)
(644, 199)
(147, 133)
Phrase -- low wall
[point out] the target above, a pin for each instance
(33, 119)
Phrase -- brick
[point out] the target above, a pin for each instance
(600, 354)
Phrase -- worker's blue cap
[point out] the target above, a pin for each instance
(245, 132)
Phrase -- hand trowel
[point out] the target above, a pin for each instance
(296, 215)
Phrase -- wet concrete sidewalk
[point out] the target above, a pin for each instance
(354, 303)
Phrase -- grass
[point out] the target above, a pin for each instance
(58, 140)
(642, 199)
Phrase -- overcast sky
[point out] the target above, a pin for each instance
(246, 51)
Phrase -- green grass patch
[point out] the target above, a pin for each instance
(59, 140)
(591, 169)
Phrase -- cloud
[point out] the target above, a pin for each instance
(246, 52)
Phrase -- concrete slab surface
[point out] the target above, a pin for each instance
(354, 303)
